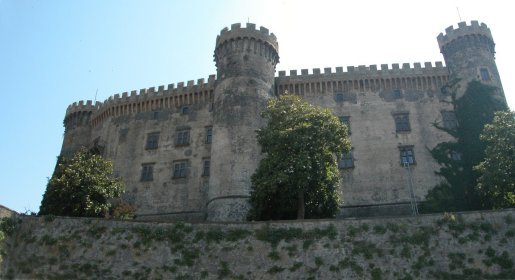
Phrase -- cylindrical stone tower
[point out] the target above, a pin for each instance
(245, 60)
(469, 54)
(77, 127)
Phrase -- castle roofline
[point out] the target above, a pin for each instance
(395, 68)
(142, 95)
(250, 31)
(463, 29)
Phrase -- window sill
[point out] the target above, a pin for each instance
(346, 167)
(182, 145)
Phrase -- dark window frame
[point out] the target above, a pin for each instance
(147, 172)
(122, 135)
(339, 97)
(155, 115)
(152, 142)
(454, 155)
(407, 155)
(346, 120)
(185, 110)
(449, 120)
(346, 161)
(485, 74)
(183, 137)
(397, 93)
(206, 167)
(209, 135)
(180, 169)
(402, 123)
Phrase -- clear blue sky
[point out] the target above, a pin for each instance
(53, 53)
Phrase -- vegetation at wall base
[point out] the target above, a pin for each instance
(81, 186)
(298, 177)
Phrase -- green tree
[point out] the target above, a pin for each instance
(81, 186)
(298, 177)
(473, 110)
(496, 185)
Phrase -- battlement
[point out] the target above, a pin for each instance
(146, 99)
(364, 78)
(463, 30)
(170, 89)
(384, 69)
(250, 31)
(83, 107)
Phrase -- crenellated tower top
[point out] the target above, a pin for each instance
(243, 51)
(469, 53)
(83, 107)
(473, 35)
(79, 114)
(237, 32)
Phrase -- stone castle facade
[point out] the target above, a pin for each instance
(187, 151)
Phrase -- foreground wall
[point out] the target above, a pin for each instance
(6, 212)
(451, 246)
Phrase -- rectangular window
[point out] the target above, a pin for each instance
(449, 119)
(347, 161)
(485, 75)
(346, 120)
(185, 110)
(183, 137)
(397, 93)
(209, 135)
(339, 97)
(122, 137)
(180, 169)
(402, 122)
(155, 115)
(147, 172)
(455, 155)
(407, 155)
(152, 141)
(206, 167)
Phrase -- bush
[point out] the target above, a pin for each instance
(81, 186)
(123, 210)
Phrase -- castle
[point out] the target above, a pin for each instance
(187, 151)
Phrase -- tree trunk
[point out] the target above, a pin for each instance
(300, 206)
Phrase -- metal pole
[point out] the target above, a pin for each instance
(413, 200)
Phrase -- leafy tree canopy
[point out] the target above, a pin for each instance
(81, 186)
(298, 177)
(496, 184)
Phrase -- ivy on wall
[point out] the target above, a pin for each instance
(473, 110)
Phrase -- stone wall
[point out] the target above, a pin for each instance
(474, 245)
(245, 60)
(376, 184)
(373, 99)
(370, 99)
(6, 212)
(126, 140)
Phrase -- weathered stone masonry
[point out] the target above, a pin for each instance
(473, 245)
(188, 151)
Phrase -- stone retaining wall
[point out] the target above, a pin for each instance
(474, 245)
